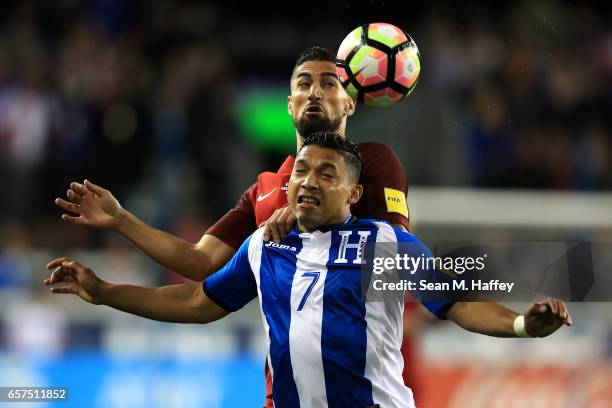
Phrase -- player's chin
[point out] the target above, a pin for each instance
(316, 120)
(309, 124)
(308, 216)
(308, 212)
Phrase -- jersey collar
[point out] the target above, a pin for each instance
(326, 228)
(287, 165)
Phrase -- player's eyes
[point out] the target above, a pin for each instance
(299, 171)
(303, 84)
(328, 175)
(330, 84)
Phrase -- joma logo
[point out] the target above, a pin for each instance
(273, 244)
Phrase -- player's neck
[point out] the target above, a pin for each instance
(342, 220)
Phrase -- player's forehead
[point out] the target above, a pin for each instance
(313, 155)
(315, 69)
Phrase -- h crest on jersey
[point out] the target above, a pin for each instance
(352, 250)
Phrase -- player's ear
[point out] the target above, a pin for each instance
(350, 106)
(289, 105)
(356, 192)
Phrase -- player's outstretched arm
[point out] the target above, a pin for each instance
(184, 303)
(540, 320)
(95, 206)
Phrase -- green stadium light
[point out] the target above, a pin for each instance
(263, 119)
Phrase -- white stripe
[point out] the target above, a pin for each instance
(306, 325)
(255, 248)
(384, 362)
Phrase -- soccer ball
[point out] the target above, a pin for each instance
(378, 64)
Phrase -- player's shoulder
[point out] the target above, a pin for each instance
(371, 150)
(253, 241)
(258, 233)
(395, 233)
(285, 169)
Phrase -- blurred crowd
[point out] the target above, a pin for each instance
(139, 97)
(536, 85)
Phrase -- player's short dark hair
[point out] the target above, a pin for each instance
(315, 53)
(348, 149)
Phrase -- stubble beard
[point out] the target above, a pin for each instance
(307, 127)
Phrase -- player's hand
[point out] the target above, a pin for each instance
(94, 205)
(279, 224)
(71, 277)
(544, 318)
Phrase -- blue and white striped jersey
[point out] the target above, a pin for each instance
(327, 346)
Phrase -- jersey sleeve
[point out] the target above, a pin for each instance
(384, 185)
(239, 222)
(234, 285)
(410, 245)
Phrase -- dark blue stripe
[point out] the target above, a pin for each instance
(233, 286)
(409, 244)
(276, 277)
(215, 299)
(344, 331)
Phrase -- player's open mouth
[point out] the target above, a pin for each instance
(314, 109)
(308, 201)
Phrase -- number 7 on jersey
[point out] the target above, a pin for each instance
(315, 278)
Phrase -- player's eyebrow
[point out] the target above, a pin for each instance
(328, 165)
(329, 73)
(323, 74)
(323, 166)
(303, 74)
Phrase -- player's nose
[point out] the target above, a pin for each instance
(315, 92)
(309, 182)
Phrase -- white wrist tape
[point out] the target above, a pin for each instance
(519, 326)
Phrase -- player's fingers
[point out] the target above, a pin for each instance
(533, 309)
(68, 206)
(561, 309)
(78, 188)
(74, 197)
(272, 227)
(267, 231)
(56, 262)
(58, 275)
(542, 309)
(64, 287)
(291, 217)
(568, 319)
(96, 189)
(282, 223)
(71, 264)
(69, 271)
(288, 219)
(73, 220)
(564, 314)
(552, 304)
(268, 226)
(275, 231)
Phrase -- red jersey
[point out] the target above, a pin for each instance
(384, 195)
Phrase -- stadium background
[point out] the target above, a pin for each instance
(175, 106)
